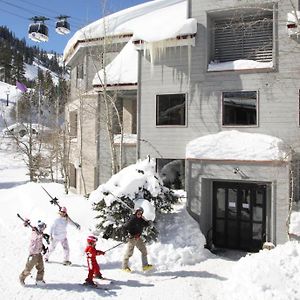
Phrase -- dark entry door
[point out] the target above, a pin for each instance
(239, 215)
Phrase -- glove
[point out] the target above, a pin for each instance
(77, 226)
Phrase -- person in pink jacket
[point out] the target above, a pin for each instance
(58, 234)
(93, 266)
(35, 258)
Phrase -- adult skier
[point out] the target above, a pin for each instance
(134, 228)
(35, 258)
(58, 234)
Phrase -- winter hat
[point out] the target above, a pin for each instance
(63, 209)
(92, 239)
(139, 209)
(41, 225)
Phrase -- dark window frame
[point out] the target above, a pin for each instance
(169, 115)
(238, 112)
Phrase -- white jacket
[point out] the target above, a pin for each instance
(58, 230)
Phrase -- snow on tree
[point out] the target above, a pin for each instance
(134, 186)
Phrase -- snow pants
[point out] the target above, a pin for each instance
(34, 260)
(133, 242)
(94, 268)
(65, 245)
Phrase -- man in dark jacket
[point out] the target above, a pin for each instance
(134, 229)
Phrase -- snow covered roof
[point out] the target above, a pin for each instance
(151, 22)
(235, 145)
(122, 70)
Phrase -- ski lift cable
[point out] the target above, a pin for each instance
(19, 7)
(75, 24)
(48, 9)
(32, 12)
(14, 14)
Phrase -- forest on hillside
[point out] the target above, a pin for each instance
(14, 54)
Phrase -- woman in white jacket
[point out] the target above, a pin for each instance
(58, 234)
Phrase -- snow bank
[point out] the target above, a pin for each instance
(269, 274)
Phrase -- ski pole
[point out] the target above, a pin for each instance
(119, 200)
(114, 247)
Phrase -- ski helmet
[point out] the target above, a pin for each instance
(139, 209)
(92, 239)
(41, 225)
(63, 209)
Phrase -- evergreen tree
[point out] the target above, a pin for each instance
(114, 211)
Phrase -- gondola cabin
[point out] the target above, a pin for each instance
(38, 31)
(62, 25)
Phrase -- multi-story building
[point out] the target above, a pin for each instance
(208, 74)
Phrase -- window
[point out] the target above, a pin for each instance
(172, 172)
(73, 123)
(170, 109)
(239, 108)
(72, 175)
(243, 35)
(79, 71)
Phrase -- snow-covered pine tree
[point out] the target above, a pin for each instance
(115, 200)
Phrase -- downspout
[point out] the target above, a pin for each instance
(138, 108)
(189, 9)
(97, 128)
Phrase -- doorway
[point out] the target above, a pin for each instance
(239, 215)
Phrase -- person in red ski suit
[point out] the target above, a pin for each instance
(93, 266)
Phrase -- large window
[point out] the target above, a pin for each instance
(239, 108)
(170, 109)
(172, 172)
(244, 34)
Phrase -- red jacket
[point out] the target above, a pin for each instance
(92, 252)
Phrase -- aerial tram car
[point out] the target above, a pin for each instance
(62, 25)
(38, 31)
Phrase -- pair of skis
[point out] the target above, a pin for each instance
(54, 201)
(45, 235)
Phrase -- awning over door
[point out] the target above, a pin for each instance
(236, 145)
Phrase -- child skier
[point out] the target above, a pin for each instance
(93, 266)
(35, 258)
(58, 234)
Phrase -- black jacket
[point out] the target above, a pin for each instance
(135, 226)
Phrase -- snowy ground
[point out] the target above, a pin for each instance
(184, 269)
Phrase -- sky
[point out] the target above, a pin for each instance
(15, 14)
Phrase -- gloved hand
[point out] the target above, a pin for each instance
(78, 226)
